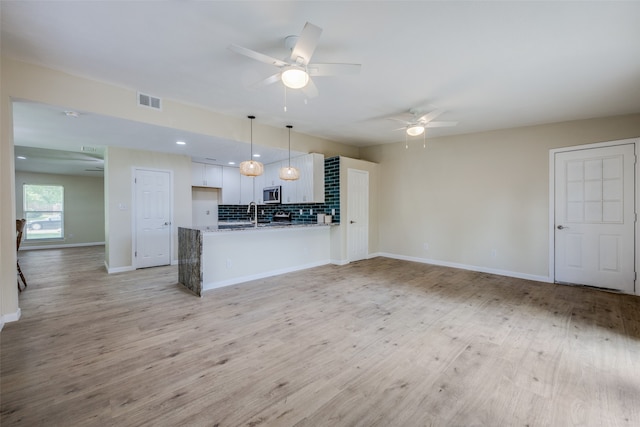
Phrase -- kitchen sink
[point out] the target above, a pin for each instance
(239, 225)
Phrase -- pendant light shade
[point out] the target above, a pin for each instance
(251, 167)
(289, 173)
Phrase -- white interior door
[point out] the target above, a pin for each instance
(357, 214)
(595, 217)
(153, 218)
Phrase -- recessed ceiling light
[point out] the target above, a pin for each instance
(256, 155)
(181, 143)
(73, 114)
(232, 163)
(21, 157)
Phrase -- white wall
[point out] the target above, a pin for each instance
(467, 196)
(83, 207)
(9, 310)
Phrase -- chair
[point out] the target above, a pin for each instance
(20, 223)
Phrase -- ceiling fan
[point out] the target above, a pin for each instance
(296, 71)
(416, 121)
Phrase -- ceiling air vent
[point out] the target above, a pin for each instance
(149, 101)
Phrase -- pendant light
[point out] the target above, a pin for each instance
(251, 167)
(289, 173)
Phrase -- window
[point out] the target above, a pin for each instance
(44, 211)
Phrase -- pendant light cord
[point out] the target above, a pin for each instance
(251, 127)
(289, 127)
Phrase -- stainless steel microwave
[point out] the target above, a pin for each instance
(272, 195)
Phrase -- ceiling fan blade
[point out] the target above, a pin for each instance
(398, 119)
(333, 69)
(440, 124)
(266, 82)
(310, 90)
(430, 116)
(256, 55)
(306, 44)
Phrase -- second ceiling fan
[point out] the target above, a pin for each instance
(296, 71)
(416, 121)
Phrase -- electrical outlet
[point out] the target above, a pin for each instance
(425, 246)
(300, 211)
(494, 253)
(310, 211)
(333, 212)
(229, 263)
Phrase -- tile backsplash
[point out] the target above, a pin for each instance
(309, 210)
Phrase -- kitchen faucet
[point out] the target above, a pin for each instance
(255, 218)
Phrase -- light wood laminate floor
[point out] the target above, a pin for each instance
(379, 342)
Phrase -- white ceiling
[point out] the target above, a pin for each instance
(44, 133)
(490, 65)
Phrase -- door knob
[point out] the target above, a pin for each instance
(562, 227)
(167, 223)
(352, 222)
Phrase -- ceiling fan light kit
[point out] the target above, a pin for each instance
(295, 77)
(251, 167)
(415, 130)
(289, 173)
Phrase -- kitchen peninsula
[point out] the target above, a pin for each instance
(210, 258)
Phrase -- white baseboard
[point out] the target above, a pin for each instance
(339, 261)
(498, 272)
(11, 317)
(242, 279)
(118, 269)
(62, 246)
(126, 268)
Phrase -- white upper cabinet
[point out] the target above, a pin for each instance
(197, 174)
(309, 188)
(213, 175)
(203, 175)
(231, 186)
(259, 186)
(271, 174)
(289, 188)
(249, 187)
(311, 183)
(242, 190)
